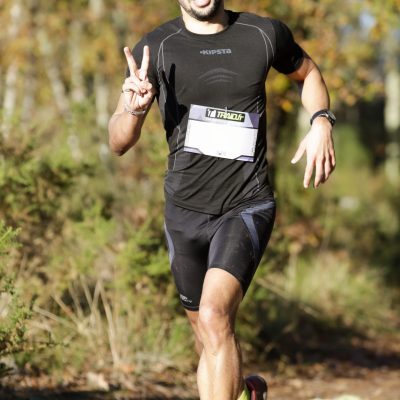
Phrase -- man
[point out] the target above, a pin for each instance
(207, 70)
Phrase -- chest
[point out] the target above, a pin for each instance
(217, 70)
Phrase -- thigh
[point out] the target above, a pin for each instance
(188, 245)
(240, 241)
(220, 299)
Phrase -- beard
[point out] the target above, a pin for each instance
(201, 13)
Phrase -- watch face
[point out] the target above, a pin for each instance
(331, 115)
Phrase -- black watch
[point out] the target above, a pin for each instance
(329, 115)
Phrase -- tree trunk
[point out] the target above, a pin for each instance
(53, 71)
(392, 109)
(10, 85)
(97, 8)
(101, 91)
(77, 82)
(10, 96)
(392, 123)
(102, 94)
(30, 76)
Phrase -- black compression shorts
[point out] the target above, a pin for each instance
(234, 241)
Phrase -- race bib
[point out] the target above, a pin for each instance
(222, 133)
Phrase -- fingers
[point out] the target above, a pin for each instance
(130, 91)
(308, 173)
(133, 69)
(131, 86)
(139, 77)
(133, 96)
(320, 175)
(145, 63)
(323, 169)
(137, 86)
(328, 169)
(310, 164)
(332, 158)
(131, 61)
(299, 153)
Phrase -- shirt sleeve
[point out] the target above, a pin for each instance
(288, 54)
(137, 53)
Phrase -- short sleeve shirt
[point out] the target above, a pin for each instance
(226, 70)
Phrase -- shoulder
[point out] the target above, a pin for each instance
(163, 31)
(270, 26)
(257, 21)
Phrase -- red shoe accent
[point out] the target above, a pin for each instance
(257, 386)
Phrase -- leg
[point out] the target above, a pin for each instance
(188, 245)
(220, 363)
(203, 380)
(235, 251)
(193, 317)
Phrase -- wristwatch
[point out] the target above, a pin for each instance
(329, 115)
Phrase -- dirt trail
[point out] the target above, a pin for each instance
(370, 385)
(367, 370)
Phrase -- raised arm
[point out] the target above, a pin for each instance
(318, 143)
(136, 98)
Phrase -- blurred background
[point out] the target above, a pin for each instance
(85, 287)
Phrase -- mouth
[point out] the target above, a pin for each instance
(201, 3)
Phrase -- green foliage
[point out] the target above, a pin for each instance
(98, 266)
(32, 185)
(14, 314)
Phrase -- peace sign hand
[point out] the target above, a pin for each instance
(138, 91)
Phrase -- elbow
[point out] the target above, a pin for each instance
(114, 145)
(119, 147)
(117, 150)
(120, 141)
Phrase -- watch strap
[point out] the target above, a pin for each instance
(324, 113)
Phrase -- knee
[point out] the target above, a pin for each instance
(214, 325)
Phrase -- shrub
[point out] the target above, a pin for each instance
(14, 314)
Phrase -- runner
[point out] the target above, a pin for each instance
(207, 70)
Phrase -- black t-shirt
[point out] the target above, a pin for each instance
(226, 70)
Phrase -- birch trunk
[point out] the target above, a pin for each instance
(392, 123)
(97, 8)
(30, 76)
(101, 91)
(11, 76)
(392, 109)
(77, 82)
(53, 72)
(30, 86)
(102, 94)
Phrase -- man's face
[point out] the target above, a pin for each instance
(202, 10)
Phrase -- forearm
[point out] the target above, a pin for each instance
(124, 130)
(313, 91)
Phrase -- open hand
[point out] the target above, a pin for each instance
(318, 145)
(138, 91)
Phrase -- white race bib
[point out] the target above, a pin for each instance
(222, 133)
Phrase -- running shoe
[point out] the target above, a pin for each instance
(257, 386)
